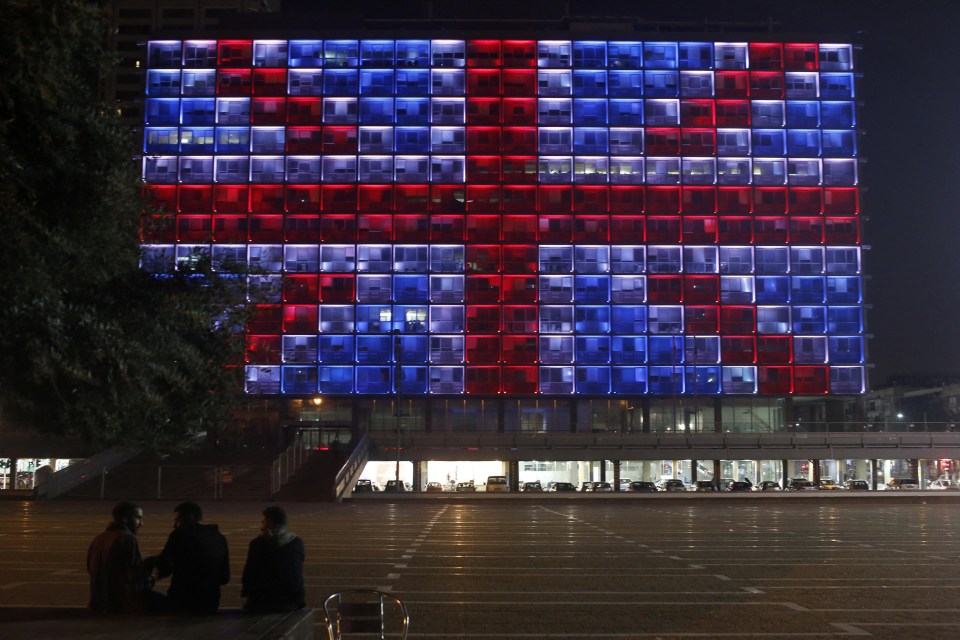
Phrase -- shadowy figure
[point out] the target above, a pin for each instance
(119, 582)
(273, 573)
(197, 558)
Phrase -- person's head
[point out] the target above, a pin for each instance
(188, 513)
(273, 518)
(129, 515)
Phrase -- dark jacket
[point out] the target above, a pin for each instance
(117, 579)
(198, 561)
(273, 573)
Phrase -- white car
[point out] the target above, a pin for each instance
(942, 485)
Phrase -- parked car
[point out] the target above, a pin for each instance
(673, 485)
(497, 483)
(703, 485)
(586, 486)
(801, 484)
(466, 487)
(434, 487)
(643, 486)
(942, 485)
(394, 486)
(768, 485)
(532, 487)
(857, 485)
(562, 486)
(601, 487)
(903, 484)
(364, 486)
(829, 484)
(740, 485)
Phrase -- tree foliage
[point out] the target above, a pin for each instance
(89, 345)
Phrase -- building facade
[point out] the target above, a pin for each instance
(518, 235)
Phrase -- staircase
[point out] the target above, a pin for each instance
(314, 481)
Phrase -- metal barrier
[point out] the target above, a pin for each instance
(180, 482)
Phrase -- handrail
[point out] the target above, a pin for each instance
(346, 477)
(96, 466)
(287, 463)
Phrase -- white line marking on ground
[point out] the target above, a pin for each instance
(795, 606)
(849, 629)
(752, 590)
(720, 576)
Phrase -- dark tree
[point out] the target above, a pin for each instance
(90, 345)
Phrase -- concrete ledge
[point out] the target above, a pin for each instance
(54, 622)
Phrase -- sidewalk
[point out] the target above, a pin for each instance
(53, 622)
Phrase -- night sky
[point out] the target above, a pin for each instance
(910, 150)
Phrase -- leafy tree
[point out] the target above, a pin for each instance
(90, 345)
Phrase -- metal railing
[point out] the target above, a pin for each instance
(287, 464)
(351, 469)
(179, 482)
(76, 474)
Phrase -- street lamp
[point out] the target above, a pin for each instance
(396, 398)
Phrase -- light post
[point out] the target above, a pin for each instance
(396, 399)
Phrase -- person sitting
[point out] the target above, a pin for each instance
(273, 573)
(118, 580)
(197, 559)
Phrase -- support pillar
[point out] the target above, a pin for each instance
(513, 475)
(417, 480)
(816, 471)
(784, 473)
(616, 475)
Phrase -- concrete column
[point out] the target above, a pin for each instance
(513, 475)
(816, 471)
(418, 468)
(785, 473)
(716, 471)
(616, 475)
(693, 471)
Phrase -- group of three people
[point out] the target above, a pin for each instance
(197, 560)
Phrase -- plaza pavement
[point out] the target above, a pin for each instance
(570, 569)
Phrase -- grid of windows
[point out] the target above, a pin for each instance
(519, 216)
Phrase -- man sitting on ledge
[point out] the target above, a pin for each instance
(273, 573)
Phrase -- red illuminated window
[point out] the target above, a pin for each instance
(483, 82)
(735, 230)
(483, 319)
(519, 140)
(557, 229)
(733, 113)
(811, 380)
(337, 288)
(235, 53)
(263, 350)
(662, 142)
(766, 85)
(301, 228)
(483, 349)
(520, 379)
(590, 199)
(591, 229)
(699, 320)
(733, 200)
(266, 228)
(482, 380)
(841, 230)
(306, 140)
(196, 198)
(737, 349)
(446, 228)
(519, 199)
(842, 201)
(519, 53)
(665, 289)
(193, 228)
(628, 229)
(299, 198)
(412, 228)
(229, 228)
(519, 289)
(234, 82)
(800, 57)
(519, 112)
(339, 198)
(301, 288)
(775, 380)
(339, 140)
(483, 198)
(447, 198)
(269, 82)
(482, 289)
(731, 84)
(300, 318)
(482, 258)
(663, 200)
(701, 289)
(737, 319)
(483, 228)
(305, 111)
(697, 113)
(770, 200)
(265, 319)
(698, 142)
(483, 140)
(769, 230)
(483, 111)
(519, 82)
(520, 169)
(699, 200)
(519, 228)
(699, 230)
(774, 349)
(268, 111)
(663, 230)
(807, 200)
(483, 53)
(411, 198)
(556, 199)
(374, 228)
(375, 198)
(483, 170)
(766, 56)
(806, 230)
(338, 228)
